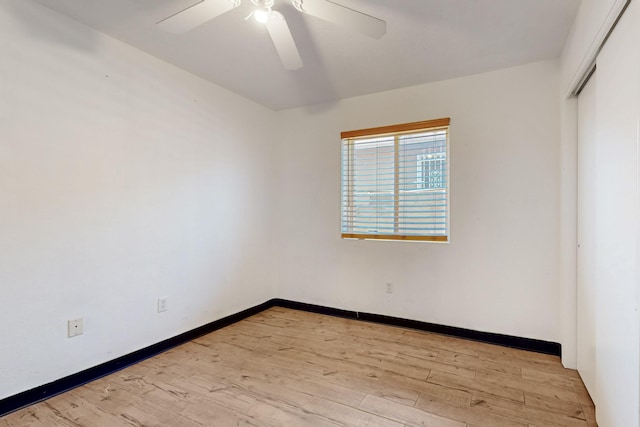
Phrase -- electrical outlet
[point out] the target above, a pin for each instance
(75, 327)
(163, 304)
(389, 287)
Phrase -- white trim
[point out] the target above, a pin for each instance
(589, 59)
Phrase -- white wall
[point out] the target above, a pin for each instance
(500, 272)
(122, 179)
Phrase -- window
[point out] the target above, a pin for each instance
(395, 182)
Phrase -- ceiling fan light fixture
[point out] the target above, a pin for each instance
(262, 15)
(262, 11)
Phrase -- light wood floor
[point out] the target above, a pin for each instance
(290, 368)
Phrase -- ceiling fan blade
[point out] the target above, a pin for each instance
(283, 41)
(343, 16)
(196, 15)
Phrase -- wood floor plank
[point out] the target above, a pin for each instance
(278, 391)
(352, 351)
(481, 399)
(36, 415)
(545, 389)
(585, 401)
(75, 410)
(274, 394)
(339, 382)
(474, 362)
(557, 380)
(285, 367)
(330, 377)
(452, 395)
(471, 415)
(396, 334)
(581, 392)
(408, 415)
(545, 403)
(531, 415)
(517, 358)
(468, 384)
(133, 409)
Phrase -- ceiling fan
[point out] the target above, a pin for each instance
(275, 22)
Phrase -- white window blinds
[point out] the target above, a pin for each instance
(395, 182)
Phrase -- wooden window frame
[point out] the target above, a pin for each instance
(396, 131)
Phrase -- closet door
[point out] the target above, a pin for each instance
(586, 271)
(618, 225)
(608, 267)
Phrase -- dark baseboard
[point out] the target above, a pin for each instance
(312, 308)
(29, 397)
(529, 344)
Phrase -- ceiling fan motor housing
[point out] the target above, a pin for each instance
(263, 4)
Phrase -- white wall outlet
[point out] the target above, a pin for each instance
(389, 287)
(75, 327)
(163, 304)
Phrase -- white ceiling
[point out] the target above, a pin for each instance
(426, 41)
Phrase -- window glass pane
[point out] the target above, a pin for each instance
(373, 185)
